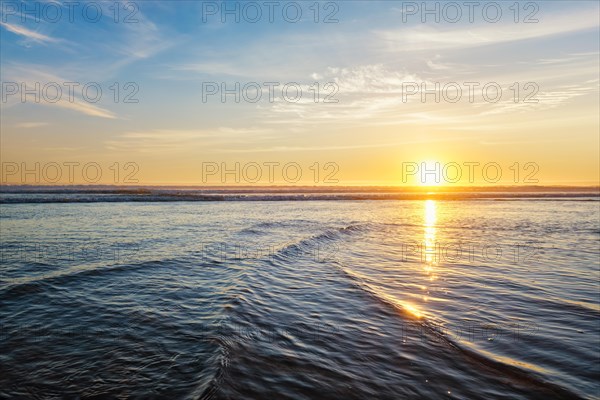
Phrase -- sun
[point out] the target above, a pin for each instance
(430, 173)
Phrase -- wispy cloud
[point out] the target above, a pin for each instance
(181, 141)
(544, 100)
(30, 76)
(428, 38)
(212, 68)
(27, 33)
(31, 125)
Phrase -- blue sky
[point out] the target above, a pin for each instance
(170, 51)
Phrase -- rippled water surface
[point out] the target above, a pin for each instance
(290, 299)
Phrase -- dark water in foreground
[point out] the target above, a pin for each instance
(301, 300)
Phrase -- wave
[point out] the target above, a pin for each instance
(39, 283)
(20, 195)
(512, 373)
(267, 227)
(211, 389)
(321, 246)
(407, 312)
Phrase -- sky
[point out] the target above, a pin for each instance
(399, 93)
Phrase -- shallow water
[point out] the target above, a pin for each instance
(295, 299)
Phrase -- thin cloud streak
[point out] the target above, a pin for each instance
(426, 38)
(29, 34)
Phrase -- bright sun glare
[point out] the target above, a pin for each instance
(429, 173)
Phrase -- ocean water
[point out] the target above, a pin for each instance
(126, 296)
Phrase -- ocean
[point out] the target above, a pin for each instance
(356, 294)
